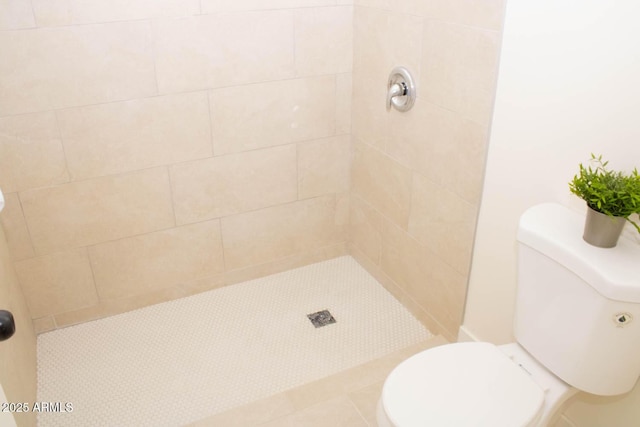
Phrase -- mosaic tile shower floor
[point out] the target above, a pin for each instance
(183, 360)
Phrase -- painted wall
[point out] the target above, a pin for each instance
(153, 149)
(18, 353)
(417, 176)
(568, 87)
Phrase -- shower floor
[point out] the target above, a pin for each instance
(181, 361)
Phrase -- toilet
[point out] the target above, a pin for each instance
(577, 326)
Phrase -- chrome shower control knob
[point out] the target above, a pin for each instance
(401, 90)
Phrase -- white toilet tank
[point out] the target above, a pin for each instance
(578, 306)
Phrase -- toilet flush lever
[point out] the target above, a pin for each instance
(401, 90)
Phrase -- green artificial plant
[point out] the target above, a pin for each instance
(610, 192)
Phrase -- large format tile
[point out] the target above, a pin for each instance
(93, 211)
(459, 66)
(52, 68)
(485, 14)
(132, 135)
(209, 51)
(338, 412)
(382, 182)
(15, 228)
(143, 264)
(72, 12)
(57, 283)
(396, 41)
(437, 287)
(443, 222)
(267, 114)
(234, 183)
(344, 92)
(16, 14)
(31, 153)
(214, 6)
(324, 40)
(441, 145)
(250, 415)
(277, 232)
(324, 166)
(365, 228)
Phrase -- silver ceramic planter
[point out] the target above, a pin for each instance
(602, 230)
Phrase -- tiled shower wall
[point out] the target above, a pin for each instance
(152, 149)
(417, 176)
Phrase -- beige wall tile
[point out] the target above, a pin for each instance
(235, 183)
(365, 228)
(213, 6)
(112, 307)
(443, 222)
(484, 14)
(31, 153)
(275, 113)
(203, 285)
(93, 211)
(296, 260)
(70, 12)
(57, 282)
(396, 41)
(211, 51)
(420, 313)
(44, 324)
(431, 282)
(142, 264)
(132, 135)
(343, 208)
(324, 166)
(459, 68)
(344, 92)
(323, 40)
(277, 232)
(16, 14)
(51, 68)
(412, 7)
(443, 146)
(15, 227)
(378, 4)
(382, 182)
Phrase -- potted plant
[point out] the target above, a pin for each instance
(611, 197)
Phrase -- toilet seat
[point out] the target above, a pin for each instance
(461, 385)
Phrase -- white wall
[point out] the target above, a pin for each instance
(568, 86)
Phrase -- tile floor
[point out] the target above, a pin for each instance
(185, 360)
(344, 399)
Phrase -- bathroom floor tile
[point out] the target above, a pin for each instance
(185, 360)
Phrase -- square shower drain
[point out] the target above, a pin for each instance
(321, 318)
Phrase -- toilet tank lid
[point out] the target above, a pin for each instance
(556, 231)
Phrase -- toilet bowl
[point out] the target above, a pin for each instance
(575, 307)
(471, 384)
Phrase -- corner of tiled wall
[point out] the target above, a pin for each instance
(417, 176)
